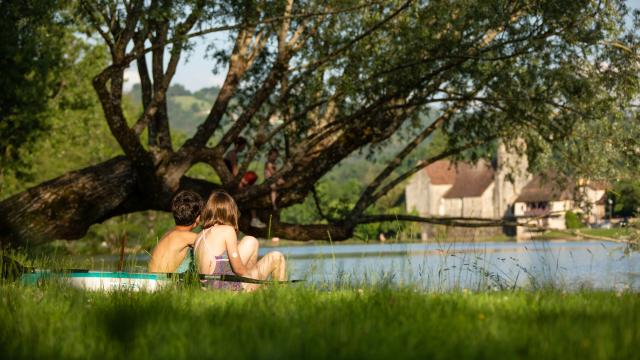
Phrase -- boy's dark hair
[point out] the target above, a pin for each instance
(186, 206)
(273, 151)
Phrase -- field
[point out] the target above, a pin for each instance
(308, 323)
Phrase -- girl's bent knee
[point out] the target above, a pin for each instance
(250, 241)
(277, 255)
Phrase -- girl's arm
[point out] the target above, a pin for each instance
(231, 242)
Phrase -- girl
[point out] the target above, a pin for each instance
(218, 251)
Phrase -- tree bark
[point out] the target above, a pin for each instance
(65, 207)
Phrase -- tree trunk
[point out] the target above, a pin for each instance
(65, 207)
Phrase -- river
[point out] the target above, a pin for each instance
(474, 266)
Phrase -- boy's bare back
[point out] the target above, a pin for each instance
(171, 250)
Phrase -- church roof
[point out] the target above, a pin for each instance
(442, 172)
(471, 180)
(466, 180)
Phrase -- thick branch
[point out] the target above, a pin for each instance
(237, 68)
(162, 79)
(126, 138)
(448, 221)
(365, 198)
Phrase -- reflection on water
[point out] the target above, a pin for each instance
(474, 266)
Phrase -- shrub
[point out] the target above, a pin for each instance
(572, 220)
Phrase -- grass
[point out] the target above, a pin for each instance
(310, 323)
(614, 233)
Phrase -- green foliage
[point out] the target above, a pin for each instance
(626, 198)
(339, 190)
(616, 232)
(142, 230)
(572, 220)
(78, 135)
(35, 43)
(309, 323)
(392, 230)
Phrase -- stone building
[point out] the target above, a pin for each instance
(494, 190)
(546, 203)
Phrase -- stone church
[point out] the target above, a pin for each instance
(493, 190)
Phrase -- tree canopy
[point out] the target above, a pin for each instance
(32, 44)
(322, 80)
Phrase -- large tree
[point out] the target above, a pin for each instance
(323, 79)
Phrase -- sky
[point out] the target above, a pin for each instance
(195, 70)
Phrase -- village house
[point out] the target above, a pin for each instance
(494, 190)
(547, 204)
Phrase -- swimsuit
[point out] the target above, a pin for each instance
(223, 267)
(185, 265)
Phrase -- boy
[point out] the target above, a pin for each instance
(231, 159)
(174, 252)
(249, 179)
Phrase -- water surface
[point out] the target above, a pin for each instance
(462, 265)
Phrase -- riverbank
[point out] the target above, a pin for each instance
(309, 323)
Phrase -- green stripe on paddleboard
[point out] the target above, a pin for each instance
(31, 278)
(117, 275)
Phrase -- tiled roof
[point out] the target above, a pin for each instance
(602, 200)
(539, 189)
(471, 180)
(599, 185)
(441, 172)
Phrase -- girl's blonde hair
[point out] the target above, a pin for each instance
(220, 209)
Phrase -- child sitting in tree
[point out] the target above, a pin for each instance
(231, 159)
(174, 252)
(269, 170)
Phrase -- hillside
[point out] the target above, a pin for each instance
(186, 109)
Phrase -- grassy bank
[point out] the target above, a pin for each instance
(304, 323)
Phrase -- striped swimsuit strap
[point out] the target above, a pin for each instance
(201, 236)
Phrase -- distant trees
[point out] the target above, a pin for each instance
(322, 80)
(178, 90)
(626, 198)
